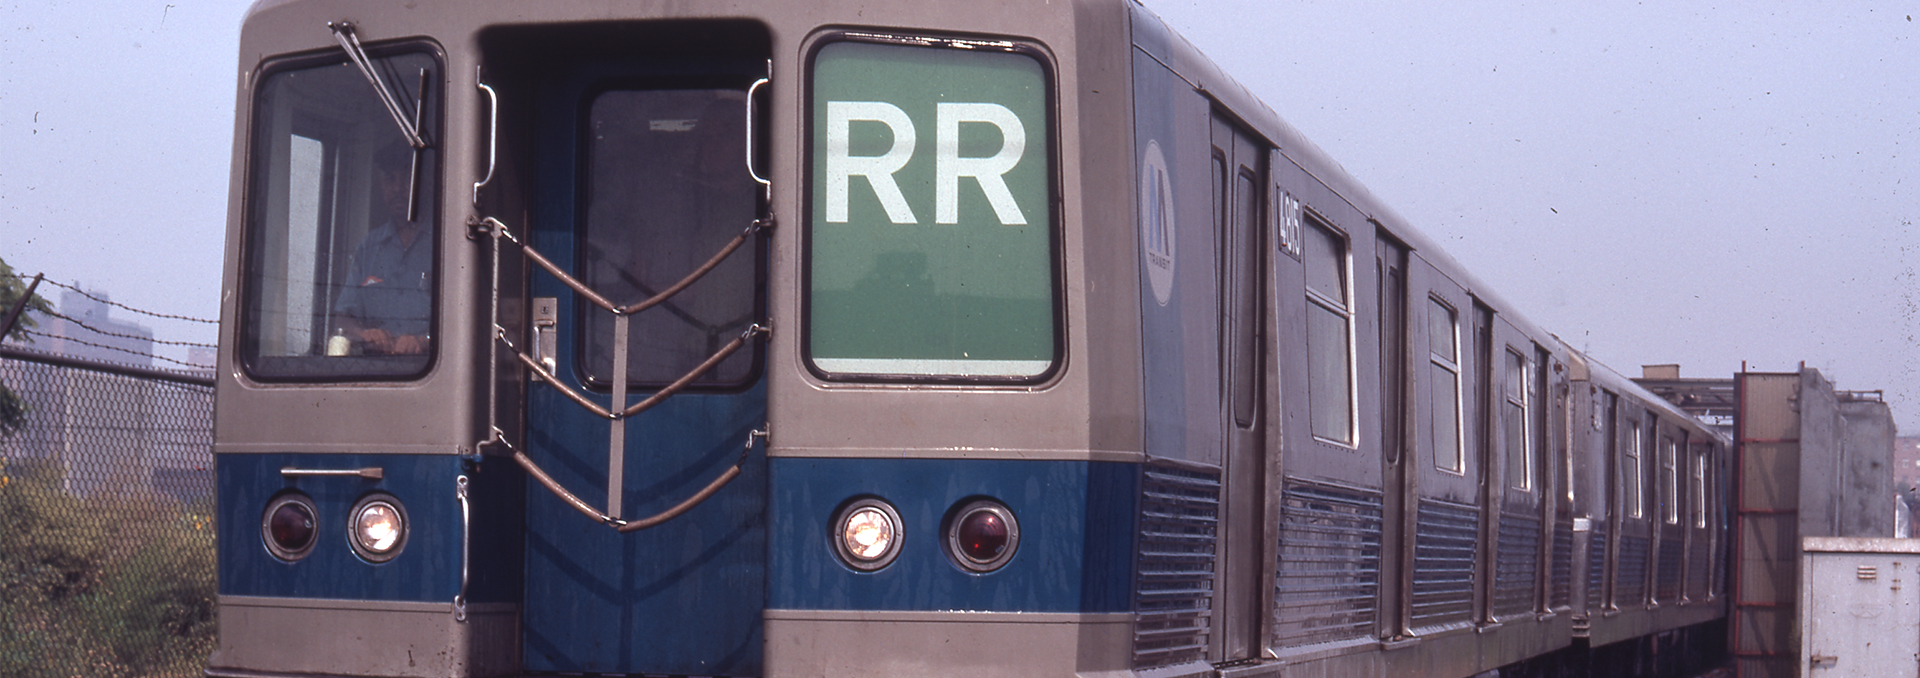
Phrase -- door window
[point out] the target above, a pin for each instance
(666, 187)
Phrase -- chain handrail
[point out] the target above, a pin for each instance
(540, 475)
(498, 231)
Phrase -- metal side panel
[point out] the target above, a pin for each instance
(1861, 608)
(903, 644)
(279, 636)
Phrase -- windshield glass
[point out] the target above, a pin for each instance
(931, 223)
(341, 228)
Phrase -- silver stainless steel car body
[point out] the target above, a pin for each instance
(1223, 514)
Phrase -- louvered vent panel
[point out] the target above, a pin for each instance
(1516, 563)
(1446, 544)
(1328, 578)
(1173, 595)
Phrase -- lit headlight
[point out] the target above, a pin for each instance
(287, 526)
(866, 533)
(378, 528)
(982, 535)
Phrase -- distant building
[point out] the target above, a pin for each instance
(1809, 460)
(109, 340)
(1906, 463)
(105, 433)
(202, 359)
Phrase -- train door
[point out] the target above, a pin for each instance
(654, 386)
(1446, 492)
(1390, 272)
(1702, 500)
(1617, 506)
(1670, 534)
(1556, 473)
(1239, 185)
(1634, 538)
(1516, 485)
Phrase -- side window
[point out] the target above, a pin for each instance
(1244, 288)
(1669, 482)
(1699, 469)
(930, 225)
(1329, 335)
(1517, 420)
(1443, 386)
(340, 224)
(1632, 477)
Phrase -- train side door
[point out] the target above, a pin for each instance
(1391, 284)
(1446, 476)
(1515, 481)
(1239, 188)
(640, 175)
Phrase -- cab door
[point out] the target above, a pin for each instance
(640, 175)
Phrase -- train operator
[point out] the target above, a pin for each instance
(385, 307)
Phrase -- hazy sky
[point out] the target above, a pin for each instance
(1656, 183)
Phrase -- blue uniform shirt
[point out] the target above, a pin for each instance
(388, 285)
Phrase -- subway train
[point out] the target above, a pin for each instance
(853, 338)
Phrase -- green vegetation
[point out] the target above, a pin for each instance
(112, 586)
(13, 412)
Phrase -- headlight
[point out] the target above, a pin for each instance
(287, 526)
(866, 533)
(982, 535)
(378, 528)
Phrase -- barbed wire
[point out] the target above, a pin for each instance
(110, 302)
(96, 330)
(113, 348)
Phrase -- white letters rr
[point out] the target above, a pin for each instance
(949, 167)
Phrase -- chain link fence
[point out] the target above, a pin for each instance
(106, 523)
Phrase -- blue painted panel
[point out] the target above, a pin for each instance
(427, 569)
(1076, 530)
(682, 597)
(1179, 319)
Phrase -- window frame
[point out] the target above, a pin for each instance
(1343, 261)
(1452, 365)
(1635, 454)
(1521, 399)
(1055, 188)
(1669, 480)
(430, 187)
(1699, 474)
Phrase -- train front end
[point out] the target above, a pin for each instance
(677, 338)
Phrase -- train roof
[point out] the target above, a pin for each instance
(1607, 378)
(1187, 61)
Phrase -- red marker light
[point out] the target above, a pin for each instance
(983, 535)
(289, 526)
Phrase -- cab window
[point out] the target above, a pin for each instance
(341, 228)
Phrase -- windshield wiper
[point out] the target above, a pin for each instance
(343, 32)
(409, 126)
